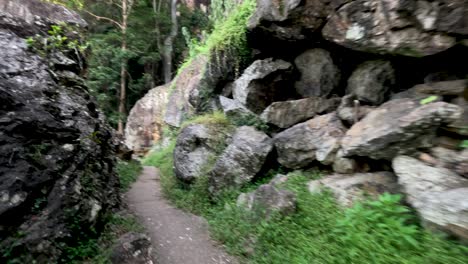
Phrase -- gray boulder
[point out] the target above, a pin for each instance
(132, 248)
(350, 188)
(268, 199)
(316, 139)
(397, 127)
(288, 113)
(291, 20)
(383, 27)
(319, 75)
(196, 146)
(437, 194)
(241, 160)
(262, 83)
(372, 81)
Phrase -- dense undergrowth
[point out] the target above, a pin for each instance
(374, 231)
(96, 248)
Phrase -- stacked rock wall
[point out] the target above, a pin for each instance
(356, 87)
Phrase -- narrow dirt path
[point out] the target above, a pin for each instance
(178, 237)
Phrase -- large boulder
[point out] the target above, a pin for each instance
(57, 156)
(315, 140)
(145, 122)
(351, 188)
(262, 83)
(197, 146)
(132, 248)
(437, 194)
(241, 160)
(372, 81)
(319, 75)
(290, 20)
(397, 127)
(269, 199)
(396, 27)
(287, 113)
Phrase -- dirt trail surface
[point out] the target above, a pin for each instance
(178, 237)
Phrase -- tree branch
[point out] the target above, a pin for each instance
(105, 18)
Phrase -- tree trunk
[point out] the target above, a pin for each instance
(123, 71)
(168, 44)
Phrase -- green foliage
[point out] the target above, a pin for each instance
(464, 144)
(229, 32)
(56, 40)
(128, 172)
(429, 99)
(249, 120)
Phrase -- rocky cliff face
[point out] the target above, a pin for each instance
(57, 178)
(367, 86)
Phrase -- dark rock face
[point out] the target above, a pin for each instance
(195, 146)
(372, 81)
(395, 27)
(57, 158)
(241, 160)
(319, 75)
(397, 127)
(316, 139)
(291, 20)
(132, 248)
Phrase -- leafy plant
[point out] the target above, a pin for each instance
(429, 99)
(464, 144)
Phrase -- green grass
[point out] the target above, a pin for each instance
(213, 118)
(128, 172)
(381, 231)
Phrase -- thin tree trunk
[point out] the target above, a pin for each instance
(123, 71)
(168, 44)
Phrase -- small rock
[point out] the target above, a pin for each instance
(268, 199)
(132, 248)
(344, 165)
(349, 188)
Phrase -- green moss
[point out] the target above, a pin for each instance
(214, 118)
